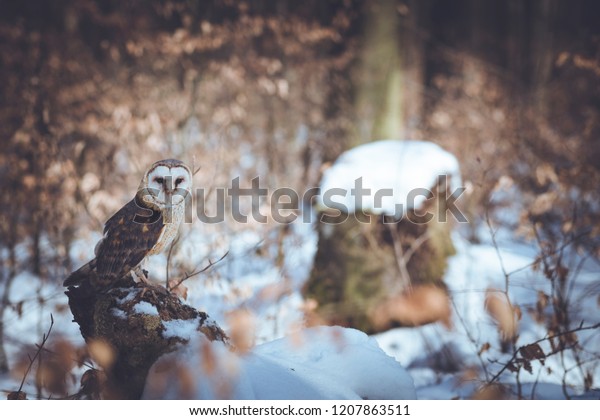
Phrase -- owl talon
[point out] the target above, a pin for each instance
(141, 275)
(145, 289)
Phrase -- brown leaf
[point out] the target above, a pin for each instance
(552, 340)
(16, 395)
(19, 308)
(500, 308)
(311, 317)
(485, 347)
(274, 292)
(518, 312)
(422, 305)
(527, 366)
(532, 352)
(543, 203)
(562, 272)
(567, 340)
(490, 392)
(91, 383)
(51, 377)
(542, 302)
(537, 263)
(545, 174)
(65, 354)
(177, 287)
(102, 353)
(511, 367)
(242, 329)
(209, 359)
(588, 380)
(470, 374)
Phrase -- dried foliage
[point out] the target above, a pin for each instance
(94, 91)
(419, 306)
(242, 330)
(504, 313)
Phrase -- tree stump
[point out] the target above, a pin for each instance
(363, 260)
(125, 328)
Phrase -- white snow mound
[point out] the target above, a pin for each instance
(390, 169)
(317, 363)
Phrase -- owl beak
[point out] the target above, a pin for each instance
(168, 195)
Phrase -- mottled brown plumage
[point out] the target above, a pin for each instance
(144, 226)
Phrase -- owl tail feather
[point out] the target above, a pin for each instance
(80, 275)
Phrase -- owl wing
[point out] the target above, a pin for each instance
(128, 237)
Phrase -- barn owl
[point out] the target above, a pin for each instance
(143, 227)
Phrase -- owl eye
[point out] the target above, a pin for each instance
(178, 181)
(159, 179)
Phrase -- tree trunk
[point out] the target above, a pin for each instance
(517, 48)
(379, 93)
(542, 51)
(414, 48)
(5, 301)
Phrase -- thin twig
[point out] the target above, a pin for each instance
(546, 338)
(561, 299)
(553, 252)
(400, 257)
(416, 244)
(471, 339)
(195, 273)
(195, 169)
(535, 384)
(504, 272)
(170, 253)
(37, 353)
(497, 249)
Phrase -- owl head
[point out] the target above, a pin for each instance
(166, 184)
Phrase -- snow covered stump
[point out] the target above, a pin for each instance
(151, 346)
(127, 328)
(384, 236)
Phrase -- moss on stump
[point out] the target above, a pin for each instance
(363, 259)
(129, 322)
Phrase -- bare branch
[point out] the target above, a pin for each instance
(416, 245)
(37, 353)
(497, 249)
(401, 259)
(195, 273)
(195, 169)
(515, 354)
(471, 338)
(169, 254)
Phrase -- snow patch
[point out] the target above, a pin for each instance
(390, 170)
(118, 313)
(473, 270)
(145, 308)
(131, 294)
(181, 328)
(317, 363)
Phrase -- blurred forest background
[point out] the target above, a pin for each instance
(92, 92)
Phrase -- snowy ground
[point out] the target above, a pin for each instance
(443, 362)
(436, 357)
(471, 272)
(318, 363)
